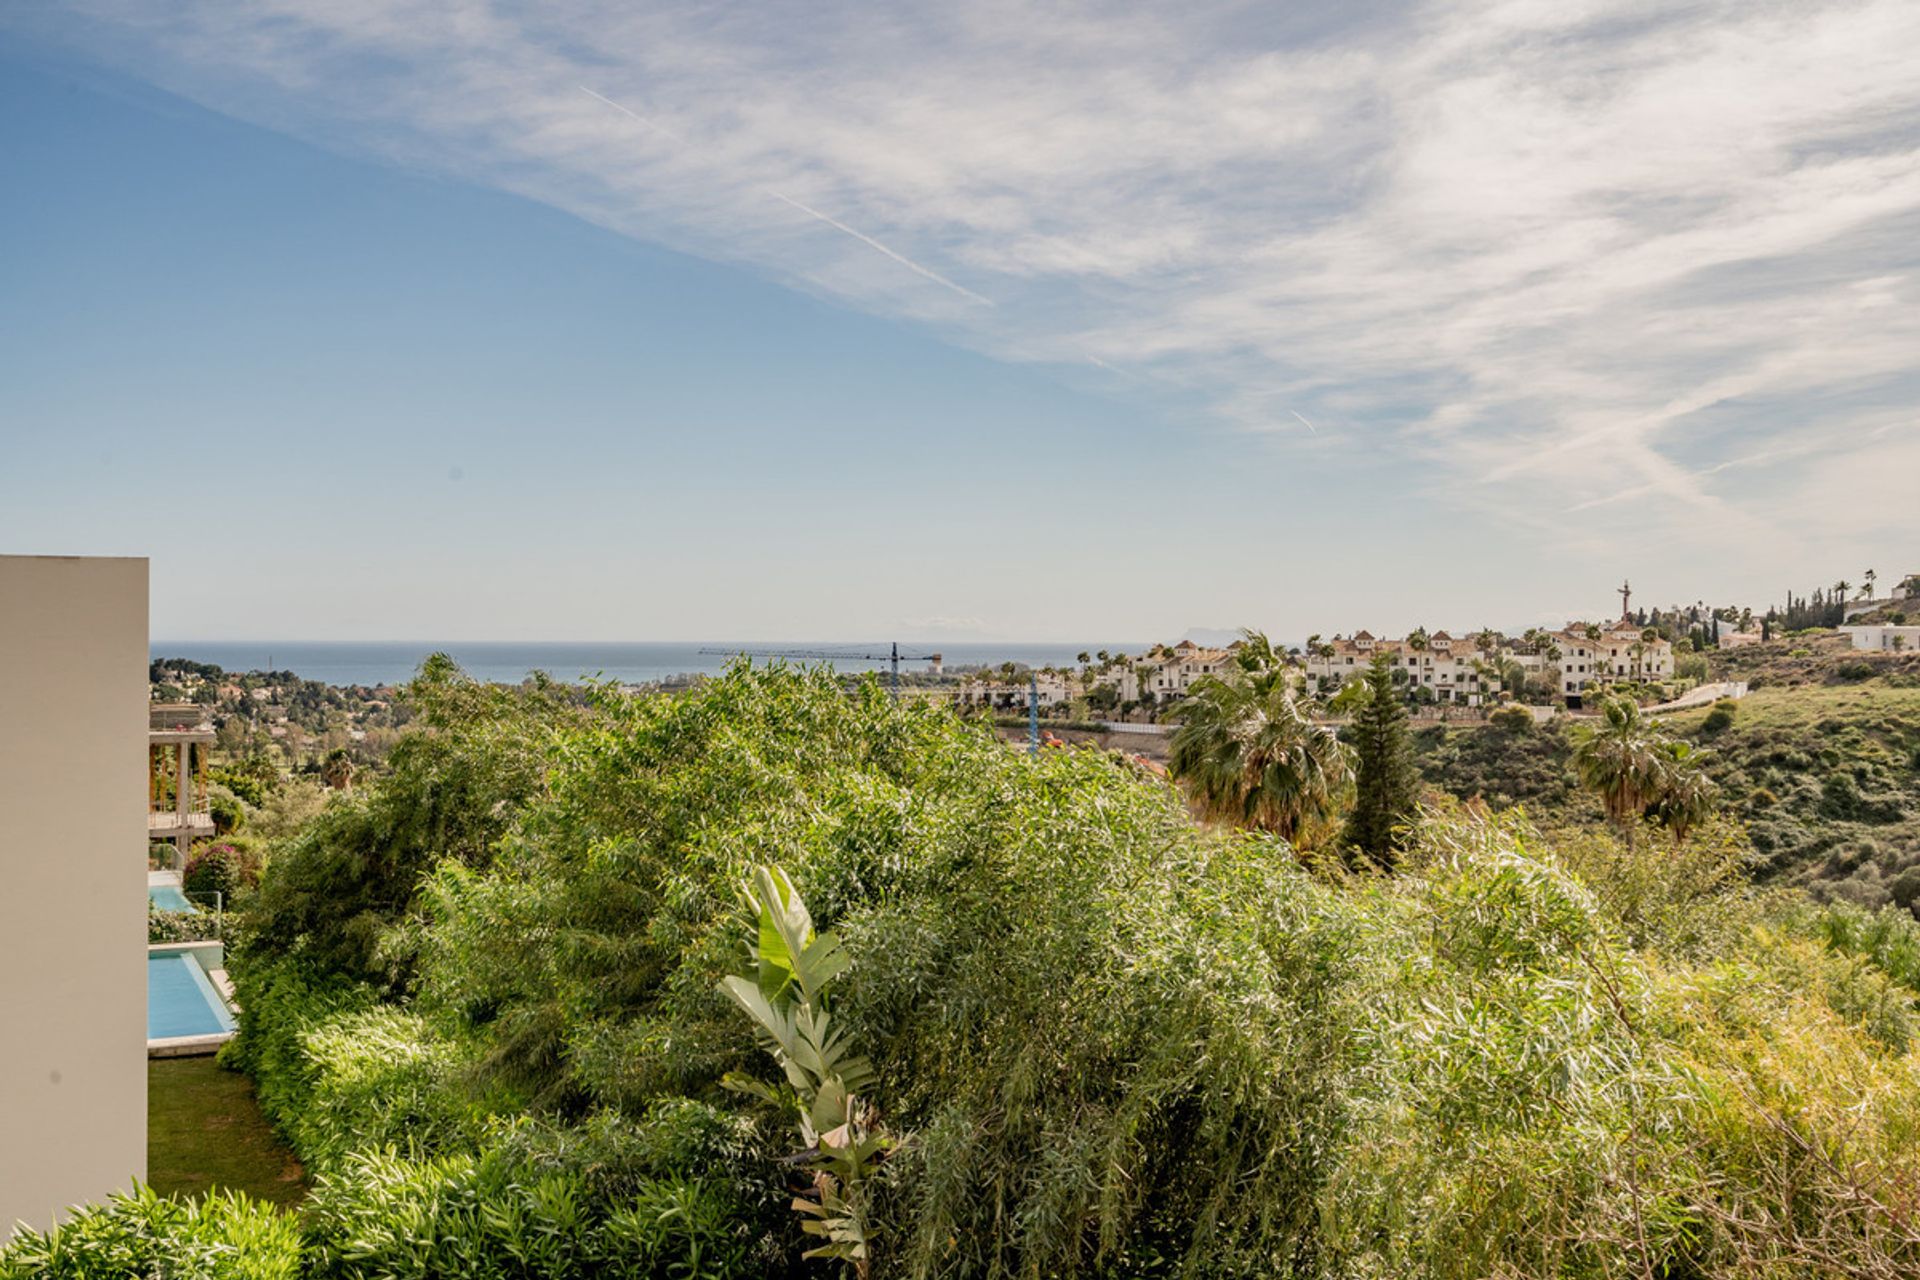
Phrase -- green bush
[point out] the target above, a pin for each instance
(180, 926)
(228, 811)
(1512, 719)
(479, 1216)
(218, 869)
(219, 1236)
(1721, 716)
(338, 1073)
(452, 792)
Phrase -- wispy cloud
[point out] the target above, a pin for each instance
(1575, 259)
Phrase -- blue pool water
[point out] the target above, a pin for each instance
(181, 1000)
(169, 897)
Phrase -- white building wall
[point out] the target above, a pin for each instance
(1885, 638)
(73, 786)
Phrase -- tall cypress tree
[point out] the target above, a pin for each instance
(1386, 782)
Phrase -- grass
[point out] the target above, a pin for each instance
(205, 1132)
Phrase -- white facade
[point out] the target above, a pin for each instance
(1886, 639)
(1454, 669)
(73, 784)
(1464, 670)
(1050, 687)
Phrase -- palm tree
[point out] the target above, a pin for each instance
(1260, 662)
(1686, 794)
(1247, 754)
(1620, 759)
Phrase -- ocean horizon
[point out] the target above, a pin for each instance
(354, 662)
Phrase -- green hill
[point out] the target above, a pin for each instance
(1825, 773)
(1827, 779)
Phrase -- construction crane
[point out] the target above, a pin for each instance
(893, 657)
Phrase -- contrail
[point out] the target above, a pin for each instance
(809, 210)
(1303, 418)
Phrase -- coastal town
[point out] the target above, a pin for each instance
(1565, 667)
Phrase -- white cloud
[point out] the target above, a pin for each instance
(1575, 258)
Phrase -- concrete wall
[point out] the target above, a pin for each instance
(73, 891)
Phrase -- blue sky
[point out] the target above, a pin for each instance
(476, 320)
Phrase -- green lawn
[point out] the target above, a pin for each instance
(204, 1130)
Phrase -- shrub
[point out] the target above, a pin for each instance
(479, 1216)
(228, 811)
(180, 926)
(218, 869)
(218, 1236)
(331, 892)
(1512, 720)
(338, 1073)
(1889, 938)
(1721, 716)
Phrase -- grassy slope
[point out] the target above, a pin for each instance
(1827, 778)
(205, 1131)
(1823, 769)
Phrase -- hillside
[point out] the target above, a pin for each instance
(1827, 779)
(1812, 658)
(1824, 771)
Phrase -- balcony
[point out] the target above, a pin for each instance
(169, 822)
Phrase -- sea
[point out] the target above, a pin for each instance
(627, 662)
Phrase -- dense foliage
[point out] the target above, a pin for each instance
(215, 1237)
(1109, 1041)
(453, 791)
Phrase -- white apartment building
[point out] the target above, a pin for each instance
(1172, 675)
(1162, 677)
(1621, 651)
(1052, 688)
(1455, 670)
(1465, 671)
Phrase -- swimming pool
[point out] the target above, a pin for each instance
(181, 1000)
(169, 897)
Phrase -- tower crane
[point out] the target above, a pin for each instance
(892, 657)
